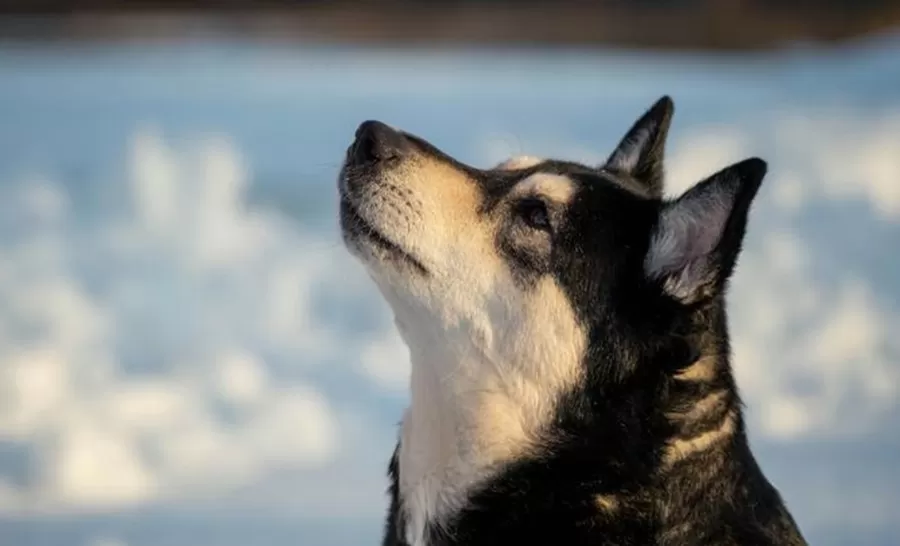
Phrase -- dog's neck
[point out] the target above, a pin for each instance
(465, 420)
(470, 415)
(454, 439)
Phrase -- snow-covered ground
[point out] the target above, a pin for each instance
(188, 357)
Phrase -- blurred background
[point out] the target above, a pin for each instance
(188, 357)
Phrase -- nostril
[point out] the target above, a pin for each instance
(387, 154)
(365, 148)
(376, 141)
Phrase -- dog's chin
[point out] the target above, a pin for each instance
(372, 245)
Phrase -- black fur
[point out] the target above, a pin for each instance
(611, 434)
(648, 135)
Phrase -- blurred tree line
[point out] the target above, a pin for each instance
(667, 24)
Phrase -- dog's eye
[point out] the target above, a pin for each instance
(535, 214)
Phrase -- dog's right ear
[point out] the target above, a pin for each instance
(697, 240)
(640, 153)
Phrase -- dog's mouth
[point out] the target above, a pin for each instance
(375, 147)
(361, 231)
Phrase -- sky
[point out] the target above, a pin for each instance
(189, 357)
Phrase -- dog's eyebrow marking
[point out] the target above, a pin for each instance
(557, 187)
(680, 449)
(519, 162)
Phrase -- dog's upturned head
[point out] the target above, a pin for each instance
(526, 258)
(550, 307)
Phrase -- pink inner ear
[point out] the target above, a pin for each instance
(688, 232)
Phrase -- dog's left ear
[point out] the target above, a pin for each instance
(697, 240)
(640, 153)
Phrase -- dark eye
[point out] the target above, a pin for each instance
(534, 212)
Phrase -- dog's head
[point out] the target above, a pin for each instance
(528, 262)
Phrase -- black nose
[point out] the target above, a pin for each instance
(376, 141)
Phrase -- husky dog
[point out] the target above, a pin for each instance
(570, 380)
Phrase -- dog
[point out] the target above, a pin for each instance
(571, 380)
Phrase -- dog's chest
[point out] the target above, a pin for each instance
(420, 507)
(433, 483)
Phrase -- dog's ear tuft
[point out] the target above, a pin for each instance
(640, 153)
(695, 245)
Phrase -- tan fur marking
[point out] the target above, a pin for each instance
(704, 369)
(704, 406)
(607, 503)
(553, 186)
(500, 432)
(518, 162)
(680, 449)
(528, 363)
(677, 530)
(444, 189)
